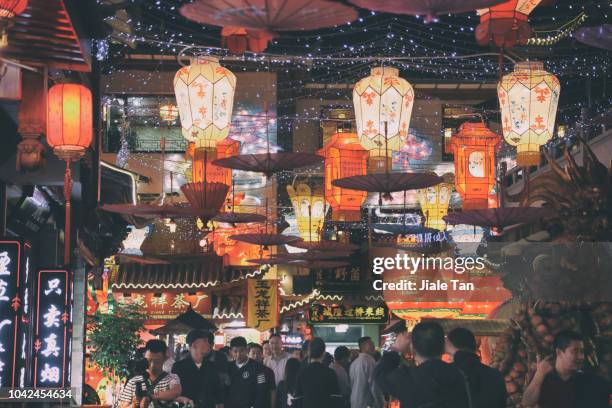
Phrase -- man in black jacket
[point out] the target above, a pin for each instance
(487, 385)
(317, 384)
(199, 377)
(432, 383)
(248, 387)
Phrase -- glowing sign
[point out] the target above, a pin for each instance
(14, 265)
(53, 329)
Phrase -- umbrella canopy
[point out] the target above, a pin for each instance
(208, 197)
(185, 322)
(388, 182)
(402, 229)
(265, 238)
(269, 163)
(499, 217)
(427, 8)
(269, 15)
(154, 210)
(324, 246)
(236, 218)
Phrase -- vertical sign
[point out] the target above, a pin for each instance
(52, 333)
(262, 309)
(14, 307)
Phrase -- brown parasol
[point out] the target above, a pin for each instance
(269, 163)
(324, 246)
(428, 8)
(153, 210)
(265, 238)
(388, 183)
(184, 323)
(237, 218)
(499, 217)
(208, 198)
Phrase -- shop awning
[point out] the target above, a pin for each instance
(200, 273)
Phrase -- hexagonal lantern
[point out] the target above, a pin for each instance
(528, 98)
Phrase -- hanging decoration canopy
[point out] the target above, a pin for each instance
(262, 19)
(383, 104)
(474, 147)
(499, 217)
(265, 239)
(428, 8)
(599, 36)
(309, 207)
(156, 211)
(344, 157)
(269, 163)
(205, 96)
(434, 201)
(324, 246)
(388, 183)
(208, 198)
(202, 167)
(505, 25)
(234, 253)
(528, 98)
(239, 217)
(239, 39)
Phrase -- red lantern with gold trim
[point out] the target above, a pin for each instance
(202, 158)
(344, 157)
(506, 24)
(474, 148)
(69, 133)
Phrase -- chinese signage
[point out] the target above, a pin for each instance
(346, 278)
(52, 332)
(14, 307)
(348, 314)
(159, 307)
(262, 309)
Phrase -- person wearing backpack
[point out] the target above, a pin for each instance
(432, 383)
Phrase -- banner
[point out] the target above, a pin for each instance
(262, 307)
(53, 329)
(377, 313)
(160, 307)
(14, 309)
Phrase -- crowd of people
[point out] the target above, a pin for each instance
(253, 375)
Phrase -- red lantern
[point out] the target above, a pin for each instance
(344, 157)
(202, 168)
(11, 8)
(69, 133)
(239, 39)
(474, 147)
(505, 25)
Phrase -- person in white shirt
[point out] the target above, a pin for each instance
(364, 392)
(278, 358)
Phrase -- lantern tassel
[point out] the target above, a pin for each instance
(67, 200)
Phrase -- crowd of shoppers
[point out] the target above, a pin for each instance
(266, 376)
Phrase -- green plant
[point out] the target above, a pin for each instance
(114, 338)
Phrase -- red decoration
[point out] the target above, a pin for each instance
(239, 39)
(208, 197)
(474, 148)
(505, 25)
(203, 169)
(69, 133)
(344, 157)
(11, 8)
(269, 163)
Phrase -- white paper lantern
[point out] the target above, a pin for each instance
(382, 97)
(205, 96)
(528, 98)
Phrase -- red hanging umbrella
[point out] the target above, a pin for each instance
(265, 238)
(324, 246)
(388, 183)
(237, 218)
(269, 163)
(206, 197)
(499, 217)
(427, 8)
(154, 210)
(269, 15)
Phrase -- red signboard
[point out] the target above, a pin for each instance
(53, 329)
(159, 307)
(14, 308)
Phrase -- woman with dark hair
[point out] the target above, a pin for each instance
(285, 390)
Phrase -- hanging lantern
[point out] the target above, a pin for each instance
(8, 10)
(505, 25)
(168, 113)
(344, 157)
(69, 133)
(382, 99)
(528, 98)
(474, 148)
(202, 168)
(434, 202)
(309, 206)
(205, 97)
(239, 39)
(234, 253)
